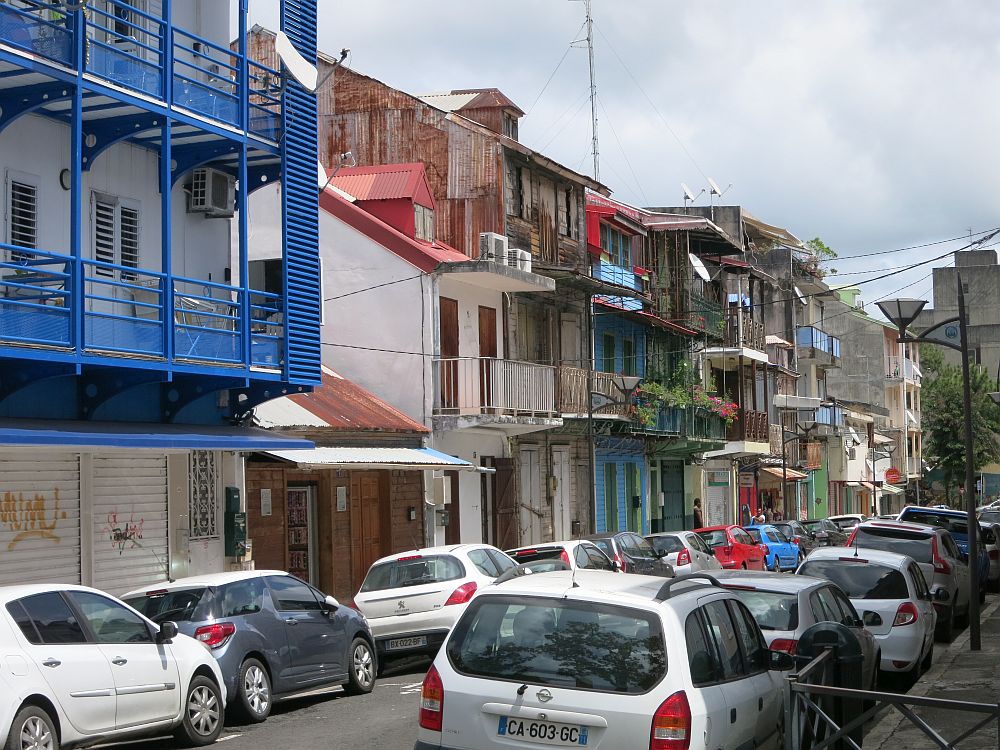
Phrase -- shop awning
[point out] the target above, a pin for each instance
(891, 489)
(84, 435)
(883, 439)
(373, 458)
(790, 474)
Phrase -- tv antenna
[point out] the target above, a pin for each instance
(589, 39)
(716, 190)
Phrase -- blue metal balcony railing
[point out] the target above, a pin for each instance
(142, 52)
(830, 415)
(817, 339)
(123, 311)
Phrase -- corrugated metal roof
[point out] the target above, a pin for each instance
(459, 99)
(337, 404)
(448, 102)
(384, 182)
(415, 458)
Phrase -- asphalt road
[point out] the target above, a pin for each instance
(385, 719)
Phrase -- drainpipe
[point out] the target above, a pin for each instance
(591, 449)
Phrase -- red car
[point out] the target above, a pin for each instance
(734, 547)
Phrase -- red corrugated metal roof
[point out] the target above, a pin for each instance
(642, 316)
(385, 182)
(423, 255)
(346, 406)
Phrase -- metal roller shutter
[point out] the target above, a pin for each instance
(130, 521)
(39, 518)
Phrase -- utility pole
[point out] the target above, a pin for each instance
(593, 92)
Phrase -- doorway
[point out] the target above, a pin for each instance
(562, 472)
(301, 531)
(370, 522)
(448, 336)
(531, 511)
(487, 356)
(672, 487)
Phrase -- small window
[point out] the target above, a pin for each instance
(598, 559)
(581, 557)
(242, 597)
(628, 357)
(116, 233)
(109, 621)
(423, 220)
(610, 497)
(609, 355)
(22, 215)
(751, 642)
(291, 595)
(178, 605)
(702, 658)
(484, 564)
(720, 626)
(502, 561)
(53, 619)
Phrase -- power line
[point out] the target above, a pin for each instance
(621, 148)
(566, 124)
(966, 236)
(556, 70)
(370, 288)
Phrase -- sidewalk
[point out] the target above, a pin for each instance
(957, 674)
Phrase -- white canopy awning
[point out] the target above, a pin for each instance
(375, 458)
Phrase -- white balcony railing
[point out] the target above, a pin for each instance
(469, 386)
(914, 465)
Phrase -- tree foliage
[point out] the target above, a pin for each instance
(943, 416)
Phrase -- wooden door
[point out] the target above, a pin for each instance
(487, 354)
(368, 509)
(453, 531)
(448, 336)
(561, 511)
(504, 504)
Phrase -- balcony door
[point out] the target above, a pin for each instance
(487, 354)
(448, 340)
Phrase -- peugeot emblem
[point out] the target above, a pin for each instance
(543, 695)
(401, 605)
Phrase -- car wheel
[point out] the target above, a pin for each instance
(945, 630)
(32, 729)
(361, 668)
(925, 665)
(254, 691)
(201, 723)
(777, 565)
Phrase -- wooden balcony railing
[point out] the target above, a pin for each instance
(744, 332)
(486, 385)
(574, 395)
(751, 426)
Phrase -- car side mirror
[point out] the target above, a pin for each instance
(871, 619)
(332, 605)
(780, 661)
(167, 633)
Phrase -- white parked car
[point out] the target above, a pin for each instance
(786, 606)
(575, 554)
(685, 551)
(412, 599)
(581, 658)
(890, 590)
(82, 667)
(991, 537)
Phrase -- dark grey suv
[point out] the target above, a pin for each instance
(272, 634)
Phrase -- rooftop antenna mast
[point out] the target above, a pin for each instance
(595, 150)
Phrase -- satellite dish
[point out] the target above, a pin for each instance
(688, 195)
(715, 188)
(301, 69)
(322, 179)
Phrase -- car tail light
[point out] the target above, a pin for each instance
(408, 557)
(619, 562)
(684, 558)
(797, 539)
(788, 645)
(899, 664)
(671, 729)
(462, 594)
(564, 556)
(850, 539)
(216, 634)
(432, 701)
(905, 615)
(520, 552)
(765, 549)
(940, 564)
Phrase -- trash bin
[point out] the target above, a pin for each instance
(845, 669)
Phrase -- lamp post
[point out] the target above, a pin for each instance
(795, 435)
(902, 313)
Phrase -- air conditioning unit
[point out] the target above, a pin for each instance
(213, 193)
(524, 261)
(513, 257)
(493, 247)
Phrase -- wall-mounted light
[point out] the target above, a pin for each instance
(411, 513)
(64, 179)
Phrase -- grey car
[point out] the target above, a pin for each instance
(272, 634)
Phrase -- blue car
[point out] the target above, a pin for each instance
(781, 554)
(956, 522)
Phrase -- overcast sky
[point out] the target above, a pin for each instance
(870, 124)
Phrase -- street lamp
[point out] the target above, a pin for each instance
(796, 435)
(902, 313)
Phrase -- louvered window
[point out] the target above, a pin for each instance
(116, 236)
(22, 215)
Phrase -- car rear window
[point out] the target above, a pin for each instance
(716, 538)
(771, 609)
(755, 533)
(560, 643)
(812, 525)
(914, 544)
(606, 546)
(666, 544)
(990, 516)
(786, 531)
(988, 536)
(542, 553)
(177, 605)
(413, 571)
(954, 524)
(859, 580)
